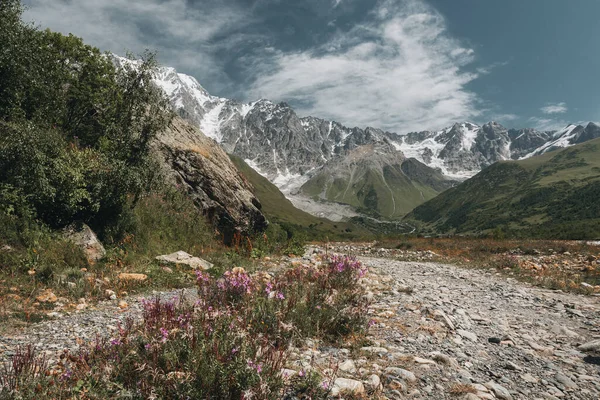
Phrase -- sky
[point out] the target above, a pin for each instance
(398, 65)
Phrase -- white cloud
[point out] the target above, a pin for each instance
(547, 124)
(400, 72)
(182, 35)
(554, 108)
(503, 118)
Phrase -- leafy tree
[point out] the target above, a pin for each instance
(75, 130)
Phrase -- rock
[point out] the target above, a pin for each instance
(494, 340)
(123, 304)
(500, 391)
(467, 335)
(110, 294)
(564, 331)
(132, 277)
(444, 359)
(81, 306)
(529, 378)
(200, 167)
(565, 381)
(348, 366)
(47, 296)
(373, 382)
(594, 345)
(439, 315)
(374, 350)
(287, 374)
(183, 258)
(83, 237)
(470, 396)
(54, 314)
(401, 373)
(420, 360)
(341, 385)
(512, 366)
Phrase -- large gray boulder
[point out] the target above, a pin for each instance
(84, 237)
(183, 258)
(199, 166)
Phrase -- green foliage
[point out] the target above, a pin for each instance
(553, 196)
(296, 223)
(74, 130)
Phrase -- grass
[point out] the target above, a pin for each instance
(38, 258)
(389, 192)
(549, 196)
(279, 210)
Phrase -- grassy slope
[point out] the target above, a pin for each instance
(552, 196)
(280, 210)
(392, 194)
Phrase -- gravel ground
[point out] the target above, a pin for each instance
(441, 332)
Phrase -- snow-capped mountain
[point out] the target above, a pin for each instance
(288, 149)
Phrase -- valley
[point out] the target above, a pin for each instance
(373, 172)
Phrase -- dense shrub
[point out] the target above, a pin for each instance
(74, 130)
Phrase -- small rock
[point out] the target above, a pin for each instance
(348, 366)
(133, 277)
(512, 366)
(529, 378)
(341, 385)
(439, 315)
(47, 296)
(373, 382)
(183, 258)
(565, 381)
(83, 237)
(81, 306)
(123, 304)
(401, 373)
(594, 345)
(54, 314)
(288, 373)
(420, 360)
(467, 335)
(374, 350)
(110, 294)
(500, 391)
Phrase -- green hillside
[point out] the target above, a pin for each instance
(280, 210)
(377, 185)
(555, 195)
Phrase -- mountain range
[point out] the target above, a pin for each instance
(369, 169)
(554, 195)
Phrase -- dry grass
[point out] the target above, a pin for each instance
(460, 389)
(554, 264)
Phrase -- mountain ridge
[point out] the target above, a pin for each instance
(553, 195)
(284, 146)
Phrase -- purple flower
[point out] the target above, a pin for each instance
(280, 296)
(301, 373)
(165, 334)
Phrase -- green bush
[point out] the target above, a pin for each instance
(75, 131)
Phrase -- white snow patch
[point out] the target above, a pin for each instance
(561, 139)
(210, 124)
